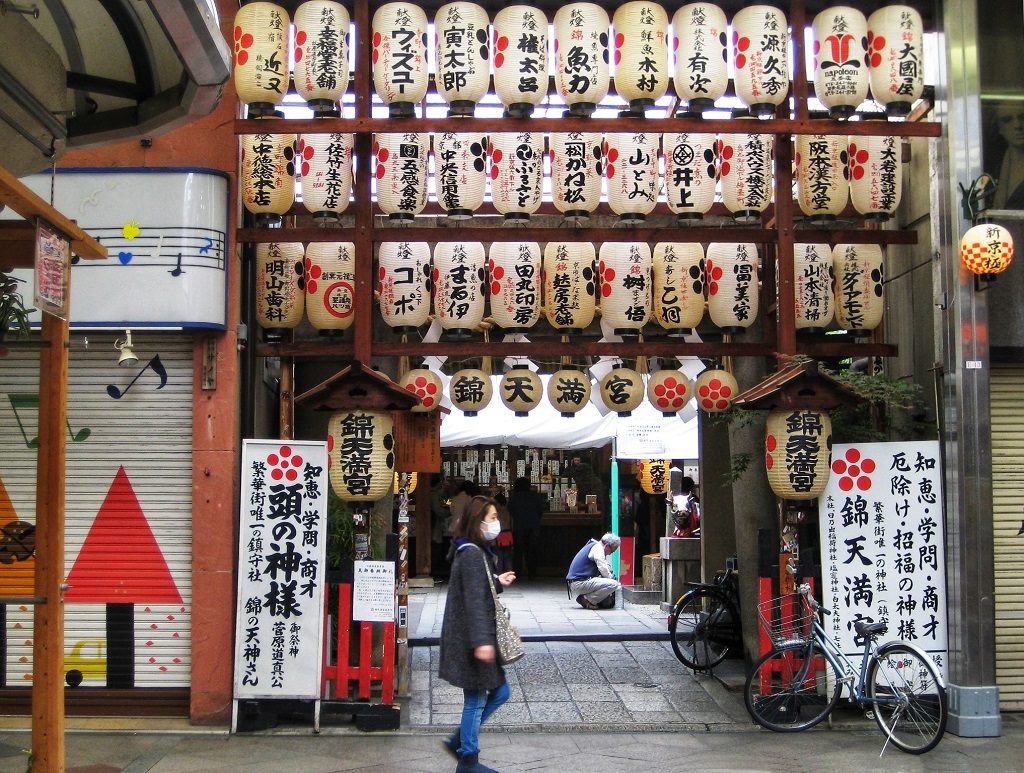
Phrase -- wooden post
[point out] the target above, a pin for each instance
(402, 585)
(286, 407)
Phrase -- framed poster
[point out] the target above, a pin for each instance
(373, 591)
(52, 269)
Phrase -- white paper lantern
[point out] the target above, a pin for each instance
(986, 249)
(401, 172)
(470, 390)
(679, 284)
(577, 169)
(622, 390)
(399, 55)
(840, 66)
(812, 286)
(331, 285)
(268, 175)
(521, 390)
(321, 55)
(822, 176)
(570, 285)
(798, 453)
(760, 41)
(896, 57)
(691, 173)
(631, 165)
(426, 385)
(460, 163)
(715, 390)
(641, 53)
(669, 391)
(514, 273)
(581, 56)
(568, 391)
(463, 55)
(517, 173)
(876, 176)
(520, 58)
(746, 173)
(733, 296)
(261, 36)
(624, 269)
(459, 286)
(361, 454)
(860, 284)
(280, 287)
(326, 174)
(700, 46)
(402, 289)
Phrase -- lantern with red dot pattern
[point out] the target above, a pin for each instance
(715, 390)
(631, 166)
(268, 175)
(896, 57)
(624, 270)
(859, 271)
(459, 271)
(822, 176)
(401, 174)
(760, 41)
(261, 38)
(733, 295)
(517, 173)
(460, 168)
(577, 169)
(691, 173)
(426, 385)
(669, 390)
(876, 175)
(325, 169)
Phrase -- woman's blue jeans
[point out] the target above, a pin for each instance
(477, 706)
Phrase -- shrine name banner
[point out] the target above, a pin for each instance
(883, 545)
(282, 568)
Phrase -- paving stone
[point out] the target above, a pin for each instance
(603, 712)
(592, 693)
(614, 661)
(626, 675)
(511, 714)
(545, 692)
(553, 712)
(655, 717)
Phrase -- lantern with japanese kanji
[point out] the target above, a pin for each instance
(745, 163)
(812, 286)
(691, 173)
(577, 169)
(330, 285)
(268, 175)
(896, 57)
(321, 55)
(986, 249)
(514, 270)
(715, 390)
(624, 271)
(280, 287)
(460, 166)
(641, 53)
(876, 176)
(361, 454)
(654, 475)
(822, 176)
(840, 66)
(700, 46)
(622, 390)
(760, 43)
(679, 283)
(325, 168)
(568, 391)
(403, 291)
(399, 57)
(581, 56)
(631, 165)
(732, 270)
(520, 58)
(517, 173)
(463, 55)
(860, 282)
(261, 57)
(459, 273)
(401, 172)
(426, 385)
(669, 390)
(570, 285)
(521, 390)
(798, 452)
(470, 390)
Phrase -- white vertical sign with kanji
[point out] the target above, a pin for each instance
(882, 544)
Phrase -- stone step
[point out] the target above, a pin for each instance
(637, 594)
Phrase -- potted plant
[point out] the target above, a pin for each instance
(13, 314)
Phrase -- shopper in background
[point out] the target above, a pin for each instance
(526, 507)
(590, 577)
(440, 525)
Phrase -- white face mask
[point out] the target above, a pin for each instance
(491, 530)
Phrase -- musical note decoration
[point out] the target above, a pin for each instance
(158, 368)
(177, 270)
(30, 400)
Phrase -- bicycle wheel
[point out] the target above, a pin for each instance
(704, 625)
(908, 697)
(786, 693)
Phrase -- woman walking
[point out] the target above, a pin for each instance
(468, 638)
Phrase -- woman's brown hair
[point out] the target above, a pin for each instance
(469, 526)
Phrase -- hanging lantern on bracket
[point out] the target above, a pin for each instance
(470, 390)
(521, 390)
(669, 390)
(520, 59)
(280, 288)
(399, 55)
(568, 391)
(622, 390)
(426, 385)
(986, 250)
(261, 37)
(361, 454)
(798, 453)
(715, 390)
(463, 56)
(321, 55)
(654, 475)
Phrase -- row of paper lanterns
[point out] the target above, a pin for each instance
(851, 53)
(584, 167)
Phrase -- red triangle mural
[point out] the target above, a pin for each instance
(121, 561)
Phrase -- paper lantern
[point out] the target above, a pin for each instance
(986, 249)
(822, 176)
(460, 164)
(860, 281)
(361, 454)
(517, 173)
(321, 55)
(521, 390)
(654, 475)
(812, 286)
(520, 58)
(261, 57)
(402, 288)
(581, 56)
(280, 287)
(622, 390)
(577, 170)
(325, 166)
(268, 175)
(426, 385)
(760, 41)
(691, 173)
(570, 285)
(463, 55)
(399, 57)
(459, 287)
(401, 172)
(715, 390)
(798, 453)
(679, 283)
(840, 59)
(669, 391)
(331, 285)
(568, 391)
(631, 165)
(411, 487)
(470, 390)
(699, 43)
(514, 270)
(624, 270)
(732, 285)
(896, 57)
(746, 174)
(641, 53)
(876, 176)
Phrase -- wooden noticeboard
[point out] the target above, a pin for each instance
(418, 441)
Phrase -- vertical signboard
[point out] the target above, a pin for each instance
(53, 264)
(882, 545)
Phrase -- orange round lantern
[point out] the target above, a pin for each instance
(654, 475)
(986, 249)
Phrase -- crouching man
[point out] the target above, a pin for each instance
(590, 577)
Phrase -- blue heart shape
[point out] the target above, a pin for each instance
(124, 257)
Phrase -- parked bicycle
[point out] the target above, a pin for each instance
(798, 683)
(705, 621)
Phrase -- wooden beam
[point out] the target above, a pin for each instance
(17, 244)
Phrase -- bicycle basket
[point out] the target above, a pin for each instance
(785, 619)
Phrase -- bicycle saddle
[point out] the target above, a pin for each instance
(870, 629)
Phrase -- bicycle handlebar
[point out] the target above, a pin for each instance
(804, 589)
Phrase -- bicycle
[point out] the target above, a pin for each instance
(705, 622)
(788, 689)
